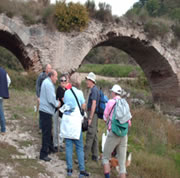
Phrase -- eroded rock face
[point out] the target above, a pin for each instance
(36, 45)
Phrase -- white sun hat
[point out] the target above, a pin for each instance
(116, 89)
(91, 76)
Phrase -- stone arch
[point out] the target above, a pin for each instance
(15, 38)
(13, 44)
(162, 78)
(157, 61)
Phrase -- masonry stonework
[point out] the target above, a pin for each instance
(36, 46)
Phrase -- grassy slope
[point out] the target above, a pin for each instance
(112, 70)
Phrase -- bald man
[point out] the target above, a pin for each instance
(47, 106)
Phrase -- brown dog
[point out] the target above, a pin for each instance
(114, 162)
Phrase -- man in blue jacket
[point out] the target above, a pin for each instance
(47, 106)
(4, 94)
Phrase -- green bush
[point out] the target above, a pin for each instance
(71, 16)
(22, 81)
(8, 60)
(156, 29)
(175, 14)
(153, 7)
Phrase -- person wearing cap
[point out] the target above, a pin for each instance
(113, 141)
(93, 101)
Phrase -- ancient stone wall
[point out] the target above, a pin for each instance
(36, 45)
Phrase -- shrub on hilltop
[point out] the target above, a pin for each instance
(71, 16)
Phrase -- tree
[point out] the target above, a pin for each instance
(153, 7)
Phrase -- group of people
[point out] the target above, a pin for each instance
(60, 120)
(60, 111)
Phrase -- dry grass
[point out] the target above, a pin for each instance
(152, 166)
(152, 140)
(31, 11)
(155, 145)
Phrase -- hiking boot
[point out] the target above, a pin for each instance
(84, 174)
(45, 159)
(69, 172)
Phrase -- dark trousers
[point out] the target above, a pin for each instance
(92, 139)
(47, 144)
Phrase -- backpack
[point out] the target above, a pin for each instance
(103, 99)
(120, 118)
(122, 111)
(117, 128)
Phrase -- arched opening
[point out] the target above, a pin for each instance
(114, 66)
(16, 46)
(159, 72)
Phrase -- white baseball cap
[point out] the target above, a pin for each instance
(91, 76)
(116, 89)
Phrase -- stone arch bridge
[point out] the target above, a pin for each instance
(36, 45)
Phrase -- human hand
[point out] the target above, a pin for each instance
(59, 105)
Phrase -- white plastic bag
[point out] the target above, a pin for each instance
(71, 125)
(104, 137)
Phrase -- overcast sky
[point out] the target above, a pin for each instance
(119, 7)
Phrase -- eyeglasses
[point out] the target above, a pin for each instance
(63, 80)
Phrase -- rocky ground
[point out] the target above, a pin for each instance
(56, 168)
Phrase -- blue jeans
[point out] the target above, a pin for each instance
(79, 152)
(2, 118)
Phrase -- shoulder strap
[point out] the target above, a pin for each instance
(76, 99)
(110, 114)
(112, 109)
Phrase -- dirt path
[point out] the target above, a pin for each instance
(15, 135)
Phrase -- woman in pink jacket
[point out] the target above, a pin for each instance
(113, 141)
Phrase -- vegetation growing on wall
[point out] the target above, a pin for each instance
(158, 16)
(66, 15)
(71, 16)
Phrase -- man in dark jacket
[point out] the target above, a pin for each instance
(43, 75)
(4, 94)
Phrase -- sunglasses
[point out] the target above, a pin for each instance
(63, 80)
